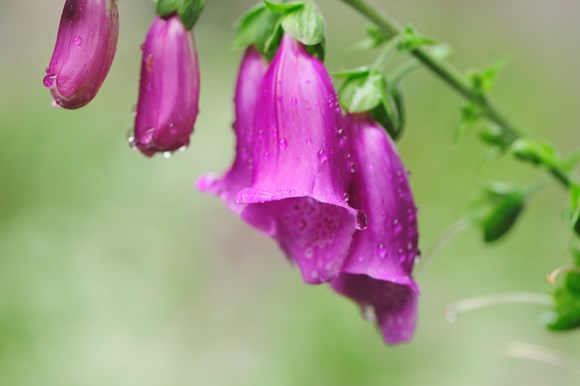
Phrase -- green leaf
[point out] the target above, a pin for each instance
(495, 136)
(495, 209)
(471, 115)
(484, 81)
(352, 72)
(261, 28)
(305, 24)
(574, 214)
(566, 313)
(537, 152)
(283, 7)
(413, 40)
(248, 26)
(364, 92)
(376, 38)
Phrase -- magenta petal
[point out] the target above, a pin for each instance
(169, 88)
(394, 305)
(301, 168)
(85, 47)
(378, 269)
(239, 176)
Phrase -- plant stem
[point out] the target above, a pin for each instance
(452, 77)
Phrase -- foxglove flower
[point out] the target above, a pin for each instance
(239, 176)
(83, 53)
(301, 171)
(377, 273)
(169, 88)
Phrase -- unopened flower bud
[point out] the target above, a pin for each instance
(83, 53)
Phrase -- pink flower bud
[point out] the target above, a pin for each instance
(83, 53)
(169, 88)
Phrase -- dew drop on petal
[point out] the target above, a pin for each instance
(382, 250)
(283, 144)
(322, 156)
(48, 81)
(77, 40)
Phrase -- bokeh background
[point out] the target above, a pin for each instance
(115, 271)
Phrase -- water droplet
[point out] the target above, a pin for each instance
(353, 167)
(294, 101)
(395, 221)
(314, 274)
(167, 154)
(346, 196)
(48, 80)
(322, 156)
(77, 40)
(131, 139)
(309, 141)
(308, 253)
(283, 144)
(409, 246)
(382, 250)
(47, 70)
(362, 220)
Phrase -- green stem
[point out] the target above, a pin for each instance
(452, 76)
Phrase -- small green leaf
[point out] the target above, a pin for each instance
(413, 40)
(376, 38)
(574, 212)
(283, 7)
(364, 92)
(496, 208)
(483, 81)
(471, 115)
(261, 28)
(305, 24)
(566, 313)
(352, 72)
(537, 152)
(495, 136)
(248, 26)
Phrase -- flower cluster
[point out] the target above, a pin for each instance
(169, 88)
(331, 190)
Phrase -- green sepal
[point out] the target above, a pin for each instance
(351, 72)
(261, 28)
(283, 7)
(188, 10)
(566, 313)
(412, 40)
(305, 24)
(496, 208)
(367, 90)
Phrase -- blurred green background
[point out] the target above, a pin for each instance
(115, 271)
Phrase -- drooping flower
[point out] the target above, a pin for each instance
(169, 88)
(239, 176)
(377, 272)
(301, 171)
(85, 47)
